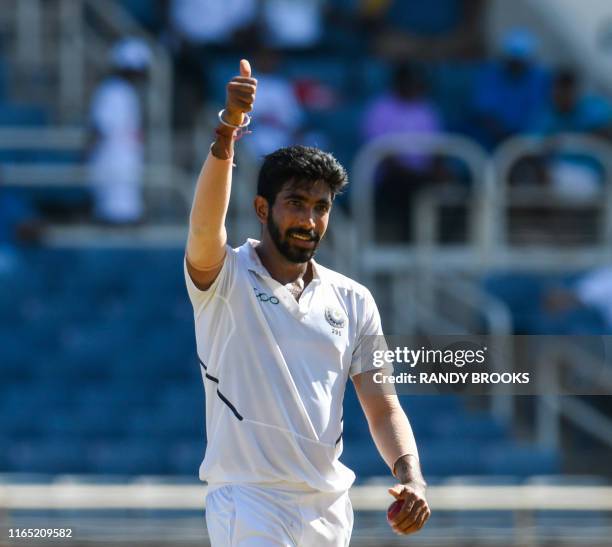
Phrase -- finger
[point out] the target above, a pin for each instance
(409, 512)
(240, 79)
(406, 517)
(245, 68)
(243, 106)
(239, 86)
(411, 528)
(408, 508)
(423, 518)
(395, 492)
(242, 93)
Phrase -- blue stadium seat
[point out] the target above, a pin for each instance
(167, 424)
(85, 423)
(125, 397)
(129, 457)
(14, 115)
(19, 421)
(445, 457)
(3, 80)
(15, 354)
(185, 457)
(515, 459)
(361, 456)
(189, 396)
(48, 456)
(469, 427)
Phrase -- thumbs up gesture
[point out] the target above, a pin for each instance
(240, 95)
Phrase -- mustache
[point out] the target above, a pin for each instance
(311, 234)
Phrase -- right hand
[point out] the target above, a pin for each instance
(240, 95)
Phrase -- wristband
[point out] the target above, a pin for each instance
(242, 126)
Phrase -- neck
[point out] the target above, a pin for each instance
(281, 269)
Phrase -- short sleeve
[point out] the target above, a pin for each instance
(221, 287)
(369, 339)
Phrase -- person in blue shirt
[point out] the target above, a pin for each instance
(570, 111)
(511, 92)
(572, 174)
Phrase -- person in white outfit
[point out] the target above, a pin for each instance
(117, 152)
(278, 336)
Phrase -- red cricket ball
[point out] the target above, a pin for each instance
(394, 509)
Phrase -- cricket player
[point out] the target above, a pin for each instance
(278, 336)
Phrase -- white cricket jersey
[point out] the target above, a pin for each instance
(275, 371)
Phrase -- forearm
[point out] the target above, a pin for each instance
(207, 235)
(393, 436)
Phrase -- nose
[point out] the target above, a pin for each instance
(307, 221)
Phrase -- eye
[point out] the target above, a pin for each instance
(295, 202)
(322, 208)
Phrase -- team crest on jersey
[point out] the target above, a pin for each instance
(335, 317)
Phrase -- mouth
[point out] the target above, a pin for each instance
(303, 240)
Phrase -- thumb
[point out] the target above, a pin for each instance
(395, 492)
(245, 68)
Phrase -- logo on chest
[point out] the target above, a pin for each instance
(263, 297)
(335, 317)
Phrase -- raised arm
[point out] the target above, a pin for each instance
(205, 251)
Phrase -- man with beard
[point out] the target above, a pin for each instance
(278, 336)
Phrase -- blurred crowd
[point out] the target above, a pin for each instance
(338, 74)
(407, 46)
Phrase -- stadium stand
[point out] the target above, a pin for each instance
(116, 376)
(103, 339)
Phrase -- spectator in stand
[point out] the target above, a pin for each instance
(197, 31)
(511, 92)
(406, 108)
(116, 150)
(278, 116)
(571, 111)
(424, 29)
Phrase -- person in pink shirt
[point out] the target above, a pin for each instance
(405, 108)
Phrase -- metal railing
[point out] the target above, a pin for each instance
(55, 38)
(380, 257)
(554, 405)
(505, 196)
(157, 176)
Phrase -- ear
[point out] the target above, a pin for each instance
(262, 209)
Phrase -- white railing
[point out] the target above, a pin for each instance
(516, 148)
(52, 36)
(557, 403)
(379, 257)
(143, 495)
(157, 175)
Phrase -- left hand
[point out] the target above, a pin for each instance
(415, 509)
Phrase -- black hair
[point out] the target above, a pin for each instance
(407, 75)
(566, 77)
(301, 166)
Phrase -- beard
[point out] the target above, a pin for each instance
(291, 252)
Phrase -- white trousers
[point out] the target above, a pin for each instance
(256, 516)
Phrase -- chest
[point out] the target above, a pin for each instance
(318, 326)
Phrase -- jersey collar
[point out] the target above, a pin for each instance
(254, 262)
